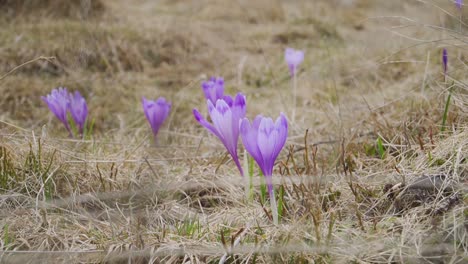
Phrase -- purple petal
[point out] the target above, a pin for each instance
(228, 100)
(239, 105)
(238, 112)
(249, 139)
(210, 106)
(164, 107)
(200, 119)
(256, 122)
(221, 116)
(78, 110)
(266, 139)
(281, 126)
(222, 107)
(288, 53)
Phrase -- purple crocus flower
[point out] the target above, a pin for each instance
(444, 60)
(156, 112)
(293, 59)
(213, 89)
(225, 116)
(264, 140)
(58, 102)
(459, 3)
(79, 110)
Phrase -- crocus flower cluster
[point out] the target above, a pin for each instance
(293, 58)
(156, 112)
(60, 102)
(263, 139)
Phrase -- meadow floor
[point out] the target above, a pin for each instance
(368, 173)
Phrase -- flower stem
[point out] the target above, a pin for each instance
(460, 19)
(155, 139)
(70, 132)
(294, 96)
(274, 207)
(445, 115)
(247, 179)
(271, 191)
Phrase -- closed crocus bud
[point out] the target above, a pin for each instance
(445, 60)
(264, 140)
(459, 3)
(213, 89)
(58, 102)
(156, 112)
(78, 110)
(293, 58)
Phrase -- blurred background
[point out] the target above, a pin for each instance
(114, 52)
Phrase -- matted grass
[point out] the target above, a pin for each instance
(366, 176)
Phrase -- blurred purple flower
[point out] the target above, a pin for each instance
(225, 116)
(78, 110)
(444, 60)
(264, 140)
(156, 112)
(459, 3)
(293, 59)
(213, 89)
(58, 102)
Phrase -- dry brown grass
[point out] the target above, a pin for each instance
(372, 70)
(55, 8)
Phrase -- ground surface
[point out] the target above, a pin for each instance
(372, 73)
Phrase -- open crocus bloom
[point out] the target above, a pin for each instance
(293, 59)
(78, 110)
(225, 116)
(156, 112)
(213, 89)
(264, 140)
(58, 102)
